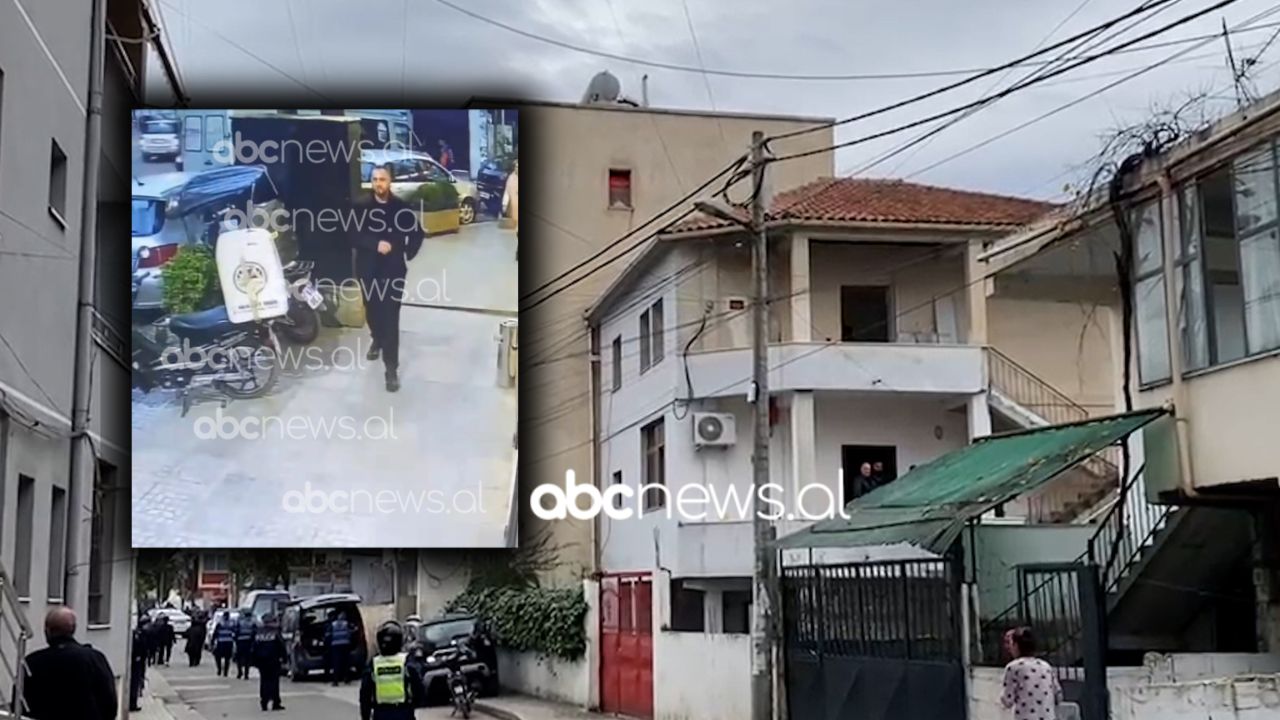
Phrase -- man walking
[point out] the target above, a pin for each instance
(195, 639)
(389, 236)
(269, 655)
(166, 639)
(138, 666)
(224, 643)
(337, 640)
(246, 629)
(66, 679)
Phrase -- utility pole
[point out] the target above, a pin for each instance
(762, 634)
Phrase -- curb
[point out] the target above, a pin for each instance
(497, 712)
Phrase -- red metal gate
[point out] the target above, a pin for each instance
(626, 644)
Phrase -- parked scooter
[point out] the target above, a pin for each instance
(302, 323)
(461, 691)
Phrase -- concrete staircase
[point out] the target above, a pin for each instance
(15, 634)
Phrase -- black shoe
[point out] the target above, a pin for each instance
(374, 352)
(277, 706)
(393, 381)
(264, 707)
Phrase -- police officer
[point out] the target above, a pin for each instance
(391, 686)
(268, 656)
(224, 643)
(337, 640)
(166, 638)
(246, 628)
(68, 680)
(138, 669)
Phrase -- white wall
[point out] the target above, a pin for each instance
(697, 676)
(564, 681)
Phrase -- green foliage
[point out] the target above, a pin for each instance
(530, 619)
(437, 196)
(191, 280)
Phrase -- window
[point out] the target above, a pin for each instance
(213, 132)
(687, 608)
(653, 441)
(1255, 196)
(651, 336)
(616, 364)
(102, 543)
(26, 518)
(1211, 316)
(866, 467)
(58, 183)
(405, 171)
(264, 191)
(736, 607)
(617, 480)
(216, 562)
(193, 140)
(57, 543)
(864, 314)
(1149, 300)
(433, 172)
(619, 189)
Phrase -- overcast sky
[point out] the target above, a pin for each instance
(398, 48)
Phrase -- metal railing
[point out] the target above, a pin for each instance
(1124, 531)
(1030, 391)
(1049, 602)
(16, 631)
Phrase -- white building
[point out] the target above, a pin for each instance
(882, 349)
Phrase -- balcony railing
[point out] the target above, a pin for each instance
(15, 631)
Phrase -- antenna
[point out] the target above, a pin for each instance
(1238, 73)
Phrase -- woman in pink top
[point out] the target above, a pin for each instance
(1031, 688)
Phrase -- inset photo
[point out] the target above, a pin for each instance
(324, 328)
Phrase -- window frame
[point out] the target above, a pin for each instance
(653, 458)
(627, 204)
(646, 348)
(657, 330)
(59, 521)
(1140, 276)
(616, 363)
(59, 169)
(189, 132)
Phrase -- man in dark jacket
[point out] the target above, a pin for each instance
(195, 639)
(337, 642)
(269, 654)
(246, 628)
(224, 643)
(388, 237)
(391, 687)
(66, 679)
(138, 668)
(166, 639)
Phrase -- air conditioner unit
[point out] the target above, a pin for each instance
(736, 315)
(714, 429)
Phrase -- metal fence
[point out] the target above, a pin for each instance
(897, 609)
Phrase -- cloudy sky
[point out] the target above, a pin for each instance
(316, 51)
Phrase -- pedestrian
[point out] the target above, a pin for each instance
(865, 481)
(195, 639)
(66, 679)
(391, 686)
(269, 655)
(167, 639)
(246, 628)
(224, 643)
(446, 155)
(337, 640)
(153, 641)
(388, 237)
(1031, 688)
(138, 665)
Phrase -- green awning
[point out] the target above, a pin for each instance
(929, 506)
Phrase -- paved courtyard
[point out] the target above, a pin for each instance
(329, 458)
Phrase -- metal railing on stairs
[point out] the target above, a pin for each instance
(1124, 531)
(15, 631)
(1029, 390)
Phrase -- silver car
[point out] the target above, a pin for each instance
(171, 210)
(410, 170)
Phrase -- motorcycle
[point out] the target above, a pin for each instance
(461, 691)
(301, 324)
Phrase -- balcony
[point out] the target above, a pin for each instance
(884, 367)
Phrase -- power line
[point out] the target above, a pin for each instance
(981, 101)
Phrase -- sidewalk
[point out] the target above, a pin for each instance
(160, 702)
(523, 707)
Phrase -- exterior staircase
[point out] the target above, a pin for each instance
(15, 634)
(1020, 399)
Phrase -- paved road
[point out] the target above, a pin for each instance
(430, 466)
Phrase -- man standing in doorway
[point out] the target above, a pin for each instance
(389, 236)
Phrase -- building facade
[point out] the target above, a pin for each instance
(63, 534)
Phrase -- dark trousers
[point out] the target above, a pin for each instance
(222, 660)
(382, 299)
(194, 655)
(339, 662)
(166, 651)
(242, 661)
(268, 686)
(136, 682)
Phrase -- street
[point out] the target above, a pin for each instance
(333, 460)
(184, 693)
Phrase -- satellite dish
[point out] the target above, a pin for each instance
(710, 428)
(604, 88)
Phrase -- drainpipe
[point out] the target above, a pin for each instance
(81, 471)
(593, 383)
(1181, 406)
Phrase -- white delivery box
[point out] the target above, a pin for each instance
(252, 277)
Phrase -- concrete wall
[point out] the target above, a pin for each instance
(668, 154)
(1001, 548)
(1066, 344)
(701, 675)
(564, 681)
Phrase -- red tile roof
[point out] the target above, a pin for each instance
(835, 200)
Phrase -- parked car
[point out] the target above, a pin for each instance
(261, 602)
(410, 171)
(170, 210)
(304, 625)
(434, 637)
(180, 621)
(158, 138)
(491, 183)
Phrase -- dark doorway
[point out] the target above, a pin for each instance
(864, 314)
(851, 459)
